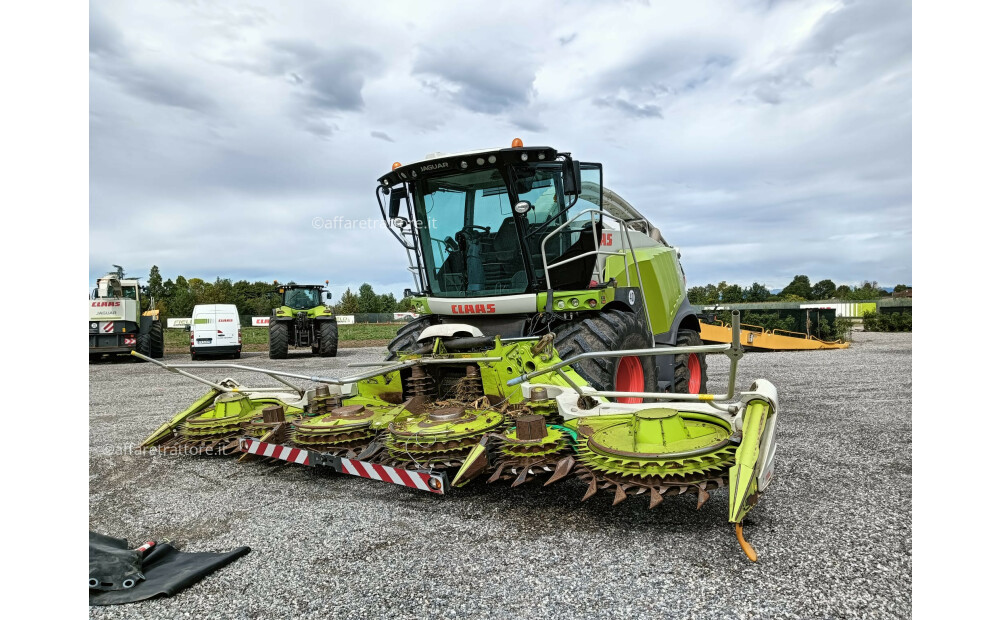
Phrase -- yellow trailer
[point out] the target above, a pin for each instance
(756, 337)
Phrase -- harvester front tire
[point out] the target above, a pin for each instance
(277, 340)
(612, 330)
(328, 337)
(690, 366)
(156, 340)
(406, 337)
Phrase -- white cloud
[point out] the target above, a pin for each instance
(765, 139)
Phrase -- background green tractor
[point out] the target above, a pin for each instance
(526, 241)
(303, 320)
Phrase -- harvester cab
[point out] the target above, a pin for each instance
(117, 323)
(524, 241)
(302, 320)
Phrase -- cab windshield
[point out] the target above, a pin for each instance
(301, 298)
(470, 241)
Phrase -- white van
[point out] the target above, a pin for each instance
(216, 330)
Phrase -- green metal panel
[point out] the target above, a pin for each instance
(312, 313)
(662, 282)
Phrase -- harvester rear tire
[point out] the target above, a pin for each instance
(277, 340)
(611, 330)
(328, 338)
(143, 344)
(156, 340)
(406, 337)
(687, 365)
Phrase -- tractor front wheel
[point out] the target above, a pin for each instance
(277, 340)
(612, 330)
(328, 338)
(690, 376)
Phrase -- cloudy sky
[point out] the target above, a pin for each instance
(764, 138)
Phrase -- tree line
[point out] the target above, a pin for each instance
(177, 297)
(799, 289)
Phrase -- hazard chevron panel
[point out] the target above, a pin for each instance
(424, 481)
(275, 451)
(436, 482)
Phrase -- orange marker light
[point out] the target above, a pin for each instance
(396, 165)
(516, 144)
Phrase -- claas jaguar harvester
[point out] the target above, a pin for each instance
(554, 341)
(118, 325)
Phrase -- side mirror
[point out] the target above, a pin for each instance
(329, 296)
(571, 177)
(187, 328)
(396, 198)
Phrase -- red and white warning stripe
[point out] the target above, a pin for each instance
(395, 475)
(146, 546)
(130, 341)
(275, 451)
(108, 327)
(423, 481)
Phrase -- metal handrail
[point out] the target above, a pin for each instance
(276, 374)
(597, 251)
(416, 267)
(734, 351)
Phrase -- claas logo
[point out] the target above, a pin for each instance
(473, 308)
(103, 304)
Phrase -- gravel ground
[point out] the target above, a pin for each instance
(832, 530)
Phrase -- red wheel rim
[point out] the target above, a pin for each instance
(630, 378)
(694, 374)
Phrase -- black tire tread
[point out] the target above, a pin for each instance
(406, 337)
(143, 344)
(156, 339)
(609, 330)
(328, 336)
(277, 340)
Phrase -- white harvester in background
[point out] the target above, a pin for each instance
(117, 323)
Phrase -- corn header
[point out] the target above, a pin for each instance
(480, 407)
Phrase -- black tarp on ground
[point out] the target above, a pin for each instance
(166, 570)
